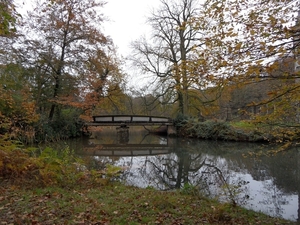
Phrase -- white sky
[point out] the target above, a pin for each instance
(127, 23)
(127, 19)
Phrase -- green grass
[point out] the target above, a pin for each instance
(245, 125)
(117, 204)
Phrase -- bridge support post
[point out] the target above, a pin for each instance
(171, 130)
(123, 134)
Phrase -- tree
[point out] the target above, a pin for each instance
(169, 54)
(64, 66)
(105, 83)
(114, 102)
(17, 107)
(62, 41)
(8, 17)
(254, 42)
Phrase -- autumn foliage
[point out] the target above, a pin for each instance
(226, 60)
(55, 71)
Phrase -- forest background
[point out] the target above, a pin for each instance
(221, 61)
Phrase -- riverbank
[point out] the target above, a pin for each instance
(115, 203)
(56, 187)
(246, 131)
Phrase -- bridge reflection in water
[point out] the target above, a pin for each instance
(120, 142)
(127, 149)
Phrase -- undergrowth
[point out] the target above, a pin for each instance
(46, 167)
(217, 130)
(246, 131)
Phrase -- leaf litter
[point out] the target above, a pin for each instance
(117, 204)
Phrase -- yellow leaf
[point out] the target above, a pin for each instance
(238, 46)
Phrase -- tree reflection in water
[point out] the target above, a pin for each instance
(210, 175)
(217, 169)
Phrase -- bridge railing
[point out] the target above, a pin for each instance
(131, 119)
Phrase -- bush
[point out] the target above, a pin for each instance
(181, 120)
(216, 130)
(67, 125)
(213, 130)
(59, 167)
(14, 160)
(47, 167)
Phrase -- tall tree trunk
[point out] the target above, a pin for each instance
(183, 69)
(185, 93)
(179, 90)
(58, 75)
(53, 106)
(181, 103)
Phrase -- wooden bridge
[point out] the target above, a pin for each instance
(133, 120)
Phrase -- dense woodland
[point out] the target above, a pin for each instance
(225, 60)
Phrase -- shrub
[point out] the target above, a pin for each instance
(59, 167)
(14, 160)
(181, 120)
(48, 167)
(216, 130)
(18, 164)
(67, 125)
(208, 130)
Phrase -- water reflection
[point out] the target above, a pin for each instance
(140, 144)
(123, 134)
(219, 169)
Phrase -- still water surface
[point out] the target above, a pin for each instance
(225, 170)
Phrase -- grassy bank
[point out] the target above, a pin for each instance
(115, 203)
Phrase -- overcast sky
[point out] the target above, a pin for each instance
(127, 21)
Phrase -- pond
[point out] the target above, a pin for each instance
(229, 171)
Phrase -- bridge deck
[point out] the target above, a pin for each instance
(133, 120)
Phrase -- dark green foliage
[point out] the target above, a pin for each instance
(213, 130)
(181, 120)
(66, 125)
